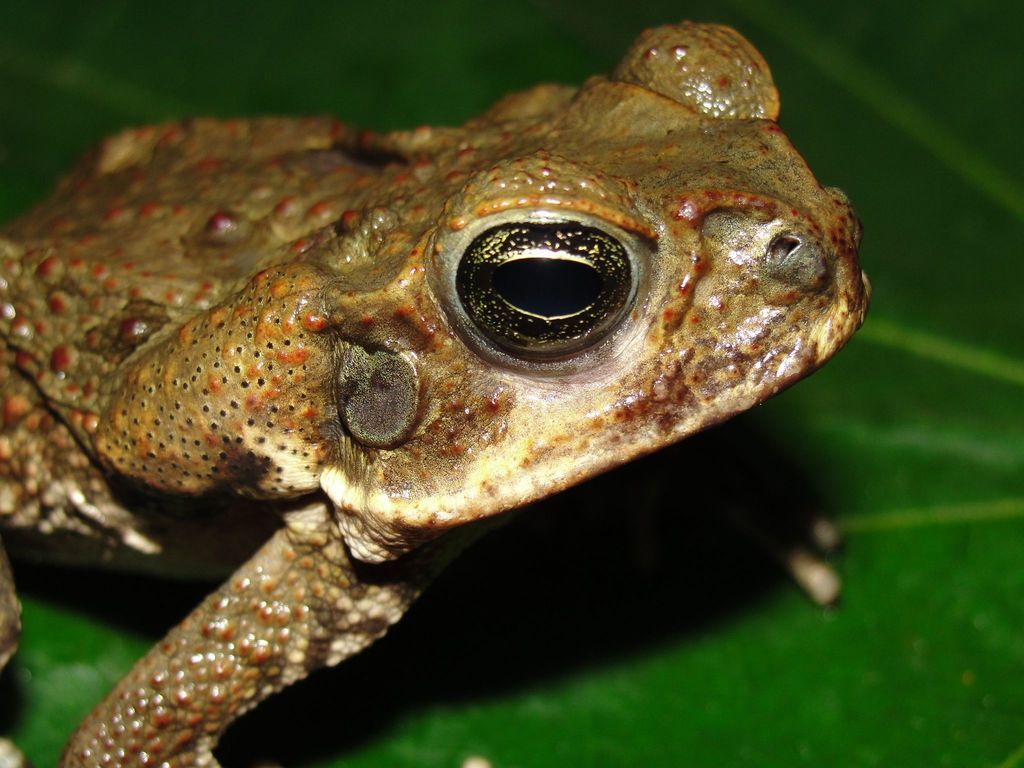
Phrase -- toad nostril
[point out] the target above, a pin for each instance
(780, 248)
(797, 261)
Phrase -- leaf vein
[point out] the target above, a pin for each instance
(77, 77)
(955, 354)
(924, 517)
(1014, 759)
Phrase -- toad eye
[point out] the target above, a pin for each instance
(543, 289)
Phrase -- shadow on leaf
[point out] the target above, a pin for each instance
(638, 558)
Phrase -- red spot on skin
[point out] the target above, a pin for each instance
(208, 164)
(309, 414)
(60, 359)
(15, 407)
(260, 654)
(90, 422)
(293, 356)
(261, 278)
(314, 322)
(301, 245)
(319, 210)
(162, 717)
(110, 284)
(57, 304)
(99, 271)
(148, 209)
(695, 319)
(61, 223)
(278, 289)
(47, 267)
(170, 133)
(668, 315)
(723, 82)
(404, 311)
(132, 330)
(466, 152)
(337, 129)
(454, 175)
(349, 218)
(285, 206)
(115, 213)
(221, 223)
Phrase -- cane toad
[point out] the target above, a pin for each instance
(319, 360)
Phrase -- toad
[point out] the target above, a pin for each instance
(318, 361)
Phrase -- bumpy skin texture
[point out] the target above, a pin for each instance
(217, 335)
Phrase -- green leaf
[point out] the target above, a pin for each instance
(623, 623)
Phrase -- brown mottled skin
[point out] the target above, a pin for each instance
(184, 322)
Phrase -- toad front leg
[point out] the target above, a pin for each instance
(298, 604)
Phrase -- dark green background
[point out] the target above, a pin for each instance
(624, 624)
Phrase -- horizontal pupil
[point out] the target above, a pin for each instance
(547, 287)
